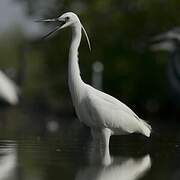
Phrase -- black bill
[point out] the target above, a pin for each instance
(55, 21)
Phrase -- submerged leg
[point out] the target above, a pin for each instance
(94, 151)
(100, 146)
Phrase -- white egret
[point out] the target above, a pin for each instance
(8, 89)
(104, 114)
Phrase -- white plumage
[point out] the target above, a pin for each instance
(8, 90)
(104, 114)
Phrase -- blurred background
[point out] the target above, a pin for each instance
(128, 61)
(120, 33)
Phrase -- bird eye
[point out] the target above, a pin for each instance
(67, 18)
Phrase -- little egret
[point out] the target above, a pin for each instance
(104, 114)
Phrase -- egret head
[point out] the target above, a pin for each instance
(66, 20)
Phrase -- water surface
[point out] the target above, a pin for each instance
(43, 148)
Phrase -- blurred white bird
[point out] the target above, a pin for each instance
(170, 42)
(167, 41)
(8, 89)
(104, 114)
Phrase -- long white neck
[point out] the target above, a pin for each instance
(74, 79)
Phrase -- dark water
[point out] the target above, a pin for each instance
(37, 147)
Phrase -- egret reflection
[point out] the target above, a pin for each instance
(118, 169)
(106, 167)
(8, 162)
